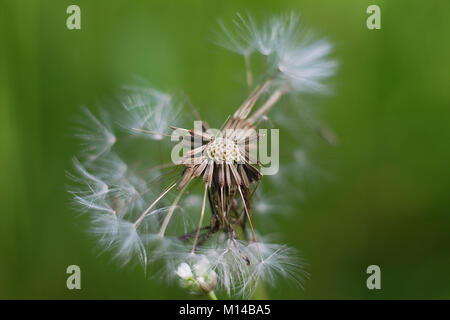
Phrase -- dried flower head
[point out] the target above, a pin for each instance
(136, 215)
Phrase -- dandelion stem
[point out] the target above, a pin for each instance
(141, 218)
(170, 213)
(202, 214)
(212, 295)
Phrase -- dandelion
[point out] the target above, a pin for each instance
(207, 241)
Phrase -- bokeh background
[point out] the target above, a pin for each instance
(386, 204)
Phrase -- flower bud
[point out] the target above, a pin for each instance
(199, 278)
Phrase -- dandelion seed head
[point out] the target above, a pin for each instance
(223, 150)
(204, 242)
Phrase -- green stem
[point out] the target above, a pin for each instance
(212, 295)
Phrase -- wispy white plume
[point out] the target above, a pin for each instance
(119, 236)
(235, 37)
(303, 62)
(112, 198)
(241, 266)
(279, 262)
(306, 64)
(150, 112)
(93, 193)
(127, 191)
(96, 135)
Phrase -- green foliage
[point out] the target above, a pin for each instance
(387, 203)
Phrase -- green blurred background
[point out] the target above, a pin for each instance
(388, 203)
